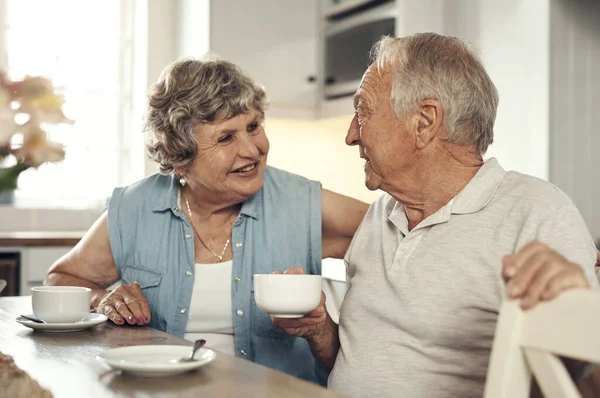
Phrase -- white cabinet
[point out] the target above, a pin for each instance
(34, 263)
(273, 41)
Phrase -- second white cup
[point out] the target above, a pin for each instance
(60, 304)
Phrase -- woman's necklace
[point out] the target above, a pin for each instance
(220, 257)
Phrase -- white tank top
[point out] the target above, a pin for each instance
(210, 314)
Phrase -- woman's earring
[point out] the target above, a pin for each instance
(182, 181)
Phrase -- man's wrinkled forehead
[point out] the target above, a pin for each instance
(373, 81)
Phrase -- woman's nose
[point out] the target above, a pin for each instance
(249, 148)
(352, 137)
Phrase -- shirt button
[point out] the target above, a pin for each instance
(187, 236)
(239, 244)
(188, 273)
(240, 312)
(183, 310)
(237, 279)
(243, 352)
(176, 209)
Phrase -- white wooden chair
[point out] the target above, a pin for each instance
(527, 343)
(334, 285)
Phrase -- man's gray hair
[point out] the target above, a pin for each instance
(447, 69)
(190, 93)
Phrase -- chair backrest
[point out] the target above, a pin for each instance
(528, 343)
(2, 284)
(334, 285)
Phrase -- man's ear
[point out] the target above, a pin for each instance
(428, 122)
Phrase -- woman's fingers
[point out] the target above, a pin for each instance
(146, 314)
(295, 270)
(134, 299)
(124, 311)
(126, 304)
(112, 314)
(136, 310)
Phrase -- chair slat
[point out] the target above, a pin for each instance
(552, 377)
(528, 342)
(568, 326)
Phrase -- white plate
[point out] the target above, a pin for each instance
(90, 321)
(155, 360)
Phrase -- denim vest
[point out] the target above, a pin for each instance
(279, 227)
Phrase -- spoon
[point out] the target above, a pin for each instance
(32, 318)
(197, 345)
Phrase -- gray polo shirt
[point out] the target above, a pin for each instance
(419, 316)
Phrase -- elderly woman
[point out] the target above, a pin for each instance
(185, 242)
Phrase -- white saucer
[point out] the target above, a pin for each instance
(90, 320)
(155, 360)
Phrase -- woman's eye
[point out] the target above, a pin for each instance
(226, 138)
(252, 126)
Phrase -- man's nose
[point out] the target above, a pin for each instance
(352, 137)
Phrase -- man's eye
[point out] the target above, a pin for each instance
(226, 138)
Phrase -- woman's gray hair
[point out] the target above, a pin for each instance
(190, 93)
(447, 69)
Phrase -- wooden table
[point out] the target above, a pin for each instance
(66, 364)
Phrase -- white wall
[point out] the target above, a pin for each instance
(513, 38)
(162, 31)
(575, 105)
(317, 150)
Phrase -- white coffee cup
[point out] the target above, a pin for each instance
(287, 295)
(60, 304)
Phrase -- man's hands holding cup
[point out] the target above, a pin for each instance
(126, 304)
(311, 324)
(316, 327)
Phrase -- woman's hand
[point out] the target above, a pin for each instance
(538, 273)
(126, 304)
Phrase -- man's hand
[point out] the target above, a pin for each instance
(538, 273)
(126, 304)
(316, 327)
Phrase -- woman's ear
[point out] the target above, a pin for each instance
(179, 172)
(429, 121)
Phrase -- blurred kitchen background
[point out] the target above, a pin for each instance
(543, 55)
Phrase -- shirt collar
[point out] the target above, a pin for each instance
(475, 196)
(169, 199)
(479, 191)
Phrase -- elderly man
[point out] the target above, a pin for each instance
(425, 278)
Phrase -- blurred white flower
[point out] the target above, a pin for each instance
(8, 127)
(37, 149)
(24, 105)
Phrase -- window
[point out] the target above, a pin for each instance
(87, 49)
